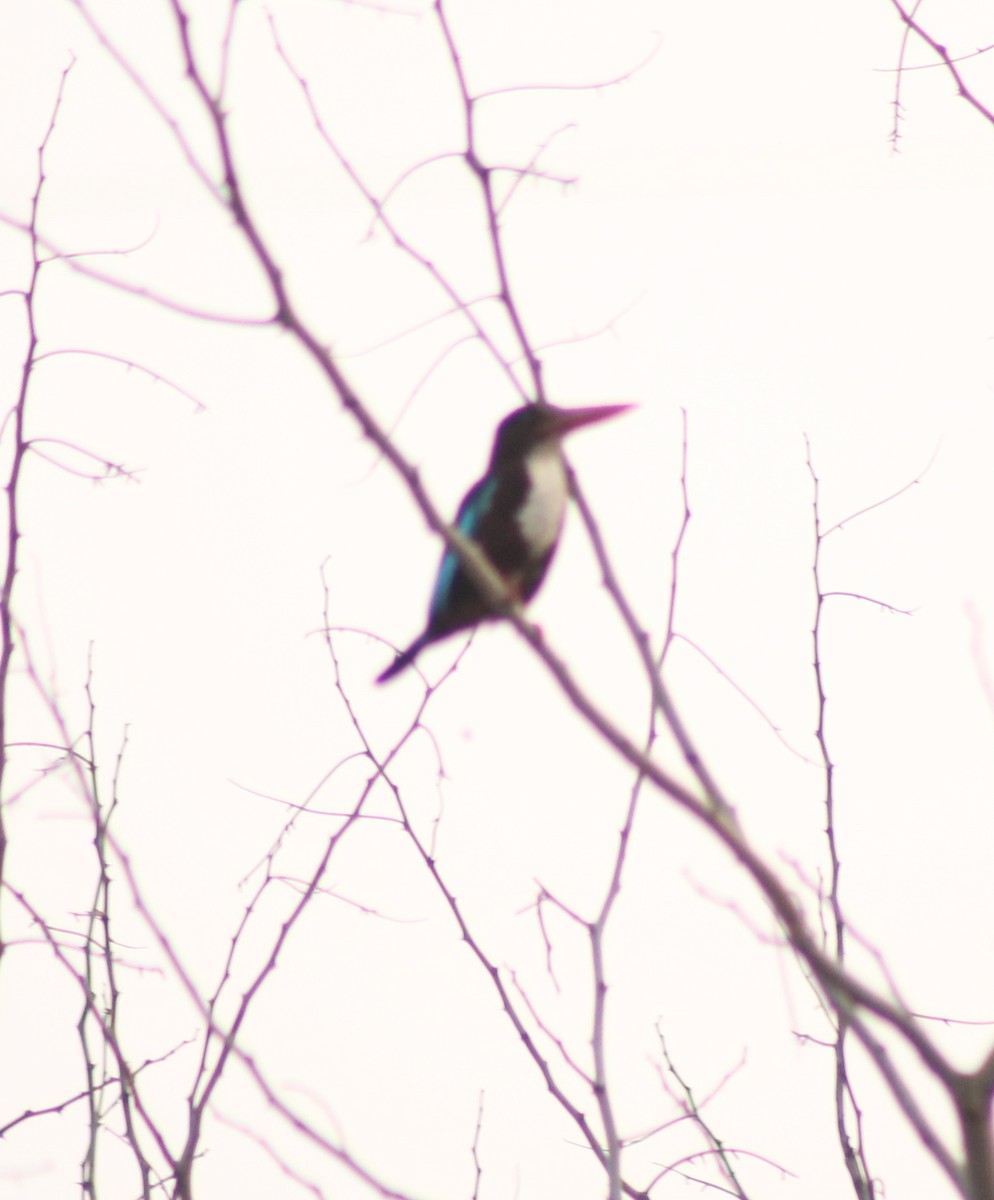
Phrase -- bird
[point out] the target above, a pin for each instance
(514, 514)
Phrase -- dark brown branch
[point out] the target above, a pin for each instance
(850, 1142)
(20, 446)
(484, 175)
(948, 60)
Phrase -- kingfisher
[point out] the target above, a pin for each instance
(514, 514)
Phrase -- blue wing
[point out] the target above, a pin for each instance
(471, 513)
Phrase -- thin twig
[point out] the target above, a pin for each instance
(18, 452)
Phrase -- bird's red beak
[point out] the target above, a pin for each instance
(565, 420)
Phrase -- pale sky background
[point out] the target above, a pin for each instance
(742, 242)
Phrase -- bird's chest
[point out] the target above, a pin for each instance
(540, 515)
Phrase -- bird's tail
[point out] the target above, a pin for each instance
(403, 660)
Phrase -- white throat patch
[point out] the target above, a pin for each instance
(541, 516)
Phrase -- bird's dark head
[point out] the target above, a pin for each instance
(534, 424)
